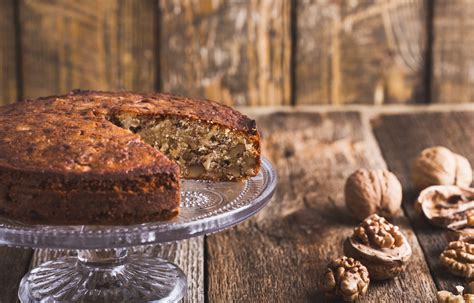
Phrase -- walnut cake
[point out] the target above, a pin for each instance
(116, 158)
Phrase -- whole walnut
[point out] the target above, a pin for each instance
(345, 278)
(439, 166)
(373, 191)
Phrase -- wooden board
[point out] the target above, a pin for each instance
(235, 52)
(360, 51)
(88, 44)
(280, 255)
(453, 41)
(8, 53)
(187, 254)
(400, 147)
(14, 264)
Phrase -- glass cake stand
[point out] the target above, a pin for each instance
(104, 271)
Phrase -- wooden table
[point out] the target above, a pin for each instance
(279, 255)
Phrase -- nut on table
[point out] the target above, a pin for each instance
(345, 278)
(373, 191)
(438, 165)
(380, 246)
(448, 206)
(458, 258)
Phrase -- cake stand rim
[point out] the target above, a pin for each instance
(43, 236)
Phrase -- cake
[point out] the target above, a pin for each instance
(115, 158)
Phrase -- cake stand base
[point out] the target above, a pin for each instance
(104, 276)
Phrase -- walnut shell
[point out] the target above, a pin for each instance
(448, 206)
(458, 258)
(345, 278)
(373, 191)
(439, 166)
(380, 246)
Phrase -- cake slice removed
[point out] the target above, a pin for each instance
(203, 150)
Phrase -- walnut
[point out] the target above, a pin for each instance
(346, 278)
(373, 191)
(448, 297)
(439, 166)
(380, 246)
(448, 206)
(458, 258)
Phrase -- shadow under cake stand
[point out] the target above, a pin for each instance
(104, 270)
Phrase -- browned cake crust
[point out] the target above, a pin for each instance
(63, 159)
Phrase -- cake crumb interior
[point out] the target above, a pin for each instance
(202, 150)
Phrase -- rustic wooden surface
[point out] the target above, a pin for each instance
(14, 264)
(453, 130)
(237, 52)
(8, 53)
(280, 255)
(368, 51)
(87, 44)
(258, 52)
(453, 41)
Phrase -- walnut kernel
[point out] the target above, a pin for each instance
(445, 296)
(458, 258)
(376, 231)
(380, 246)
(346, 278)
(373, 191)
(439, 166)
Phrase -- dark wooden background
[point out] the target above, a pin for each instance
(249, 52)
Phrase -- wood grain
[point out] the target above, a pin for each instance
(280, 255)
(8, 54)
(360, 51)
(187, 254)
(88, 44)
(453, 41)
(400, 147)
(13, 265)
(235, 52)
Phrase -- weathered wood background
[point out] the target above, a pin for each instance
(242, 52)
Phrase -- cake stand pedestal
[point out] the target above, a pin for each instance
(106, 271)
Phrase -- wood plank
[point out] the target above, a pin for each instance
(453, 41)
(235, 52)
(360, 51)
(8, 54)
(88, 44)
(280, 255)
(187, 254)
(13, 265)
(400, 147)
